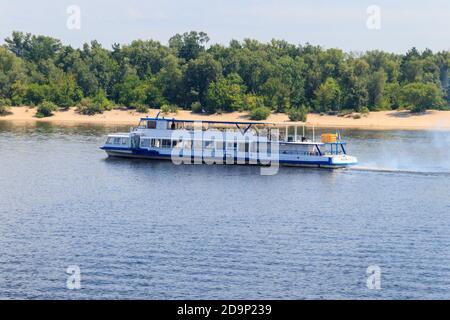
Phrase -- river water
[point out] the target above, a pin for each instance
(153, 230)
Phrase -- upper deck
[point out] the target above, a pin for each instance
(162, 126)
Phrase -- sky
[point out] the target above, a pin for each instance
(351, 25)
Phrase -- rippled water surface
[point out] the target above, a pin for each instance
(153, 230)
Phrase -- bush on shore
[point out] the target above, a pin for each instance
(95, 105)
(4, 111)
(364, 111)
(142, 108)
(298, 114)
(102, 101)
(260, 113)
(4, 106)
(196, 107)
(89, 107)
(46, 109)
(166, 109)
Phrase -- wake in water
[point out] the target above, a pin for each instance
(401, 171)
(404, 152)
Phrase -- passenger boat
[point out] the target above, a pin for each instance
(219, 142)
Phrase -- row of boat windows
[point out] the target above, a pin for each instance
(196, 144)
(157, 143)
(241, 147)
(118, 140)
(168, 143)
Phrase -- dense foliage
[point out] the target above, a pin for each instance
(46, 109)
(259, 113)
(246, 75)
(298, 114)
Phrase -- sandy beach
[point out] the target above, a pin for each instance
(381, 120)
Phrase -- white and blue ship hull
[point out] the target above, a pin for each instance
(164, 139)
(292, 160)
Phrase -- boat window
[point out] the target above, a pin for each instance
(198, 145)
(187, 144)
(254, 147)
(265, 148)
(219, 145)
(151, 124)
(109, 140)
(125, 140)
(209, 144)
(156, 143)
(243, 147)
(165, 143)
(116, 140)
(145, 143)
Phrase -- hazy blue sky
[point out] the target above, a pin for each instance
(327, 23)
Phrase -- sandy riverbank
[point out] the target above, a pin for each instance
(382, 120)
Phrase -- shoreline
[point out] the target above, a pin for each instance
(379, 120)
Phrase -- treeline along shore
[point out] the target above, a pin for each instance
(275, 81)
(379, 120)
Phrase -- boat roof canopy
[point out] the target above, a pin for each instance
(209, 121)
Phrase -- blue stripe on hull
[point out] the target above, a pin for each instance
(155, 155)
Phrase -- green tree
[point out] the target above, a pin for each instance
(197, 77)
(252, 101)
(276, 94)
(375, 89)
(37, 93)
(147, 57)
(102, 100)
(189, 45)
(65, 91)
(154, 95)
(225, 94)
(392, 95)
(12, 73)
(33, 48)
(131, 92)
(419, 97)
(169, 79)
(328, 96)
